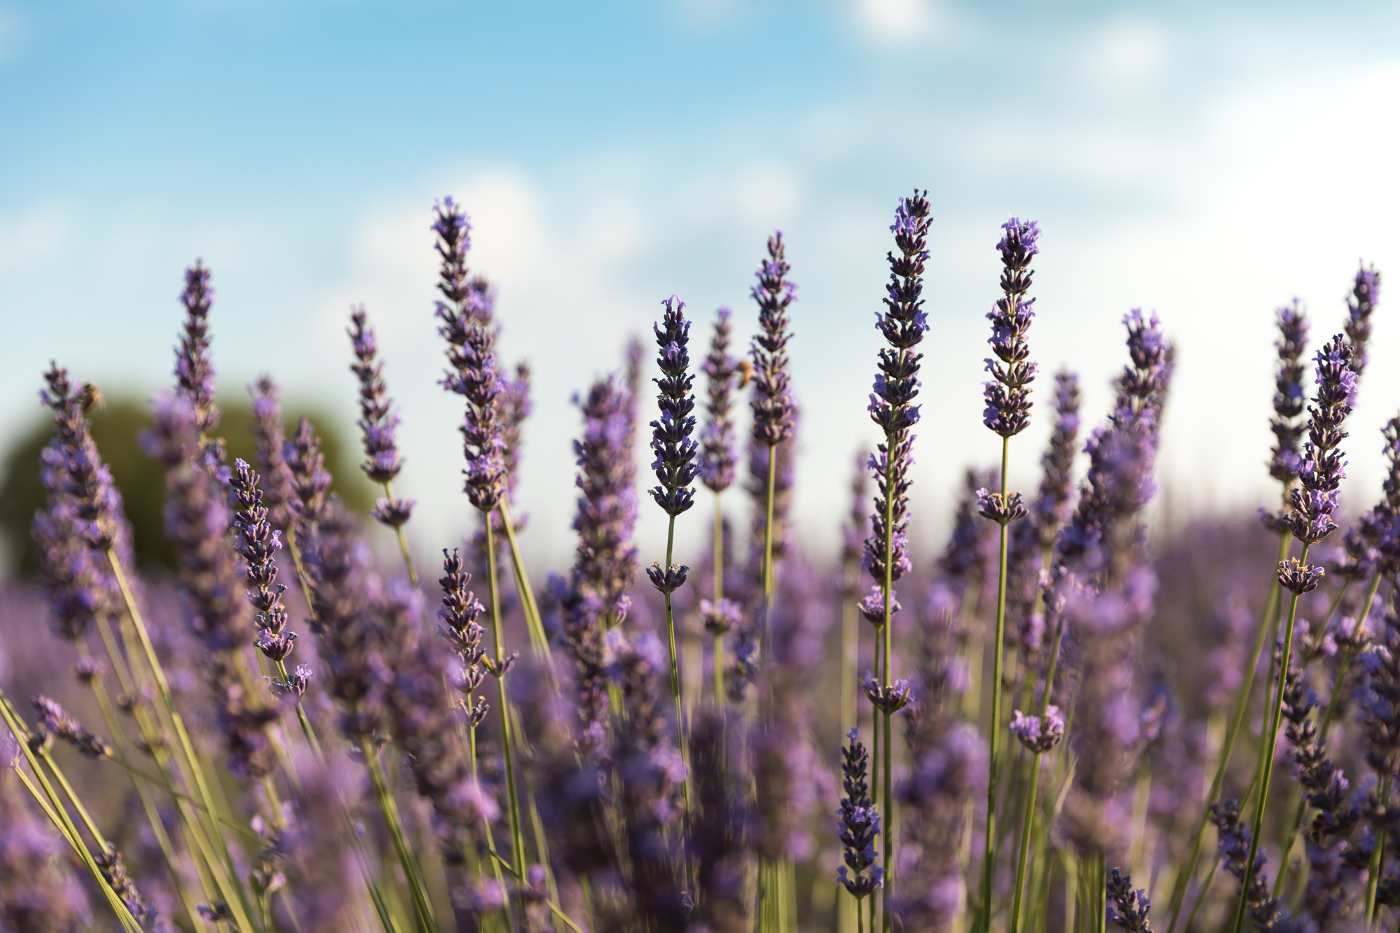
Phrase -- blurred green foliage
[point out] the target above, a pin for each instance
(117, 427)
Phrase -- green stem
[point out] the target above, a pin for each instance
(422, 907)
(1241, 707)
(1033, 788)
(177, 722)
(886, 680)
(167, 846)
(539, 641)
(507, 742)
(682, 745)
(57, 813)
(994, 735)
(718, 561)
(403, 540)
(1325, 724)
(1377, 855)
(1271, 743)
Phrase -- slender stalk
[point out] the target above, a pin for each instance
(167, 847)
(413, 875)
(402, 539)
(1241, 707)
(1033, 787)
(886, 637)
(1325, 723)
(177, 722)
(1271, 743)
(503, 707)
(1377, 856)
(717, 658)
(682, 739)
(539, 641)
(57, 813)
(994, 735)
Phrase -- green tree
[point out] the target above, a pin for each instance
(117, 427)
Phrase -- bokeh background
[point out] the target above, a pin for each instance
(1208, 160)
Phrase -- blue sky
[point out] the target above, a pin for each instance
(1205, 159)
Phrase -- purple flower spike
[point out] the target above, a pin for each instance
(1365, 293)
(310, 481)
(1007, 395)
(258, 543)
(1128, 908)
(772, 398)
(1323, 466)
(1289, 401)
(718, 454)
(56, 721)
(378, 421)
(903, 324)
(465, 323)
(198, 522)
(859, 826)
(79, 469)
(672, 441)
(270, 440)
(194, 372)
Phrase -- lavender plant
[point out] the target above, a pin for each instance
(1112, 642)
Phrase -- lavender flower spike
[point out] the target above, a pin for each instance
(718, 454)
(1365, 293)
(378, 422)
(270, 439)
(54, 720)
(1323, 466)
(672, 440)
(258, 543)
(772, 399)
(859, 825)
(1008, 401)
(1128, 908)
(1289, 402)
(467, 327)
(194, 372)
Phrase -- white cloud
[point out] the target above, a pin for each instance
(895, 21)
(1124, 55)
(34, 236)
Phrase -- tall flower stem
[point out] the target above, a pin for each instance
(517, 839)
(1271, 743)
(413, 875)
(886, 681)
(177, 722)
(674, 658)
(57, 812)
(994, 735)
(717, 658)
(1373, 876)
(1325, 724)
(1243, 694)
(534, 623)
(768, 533)
(401, 538)
(1033, 785)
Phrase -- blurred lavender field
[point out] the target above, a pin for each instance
(1079, 711)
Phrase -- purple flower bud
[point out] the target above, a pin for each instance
(378, 421)
(859, 824)
(672, 443)
(194, 371)
(772, 397)
(1365, 293)
(1039, 733)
